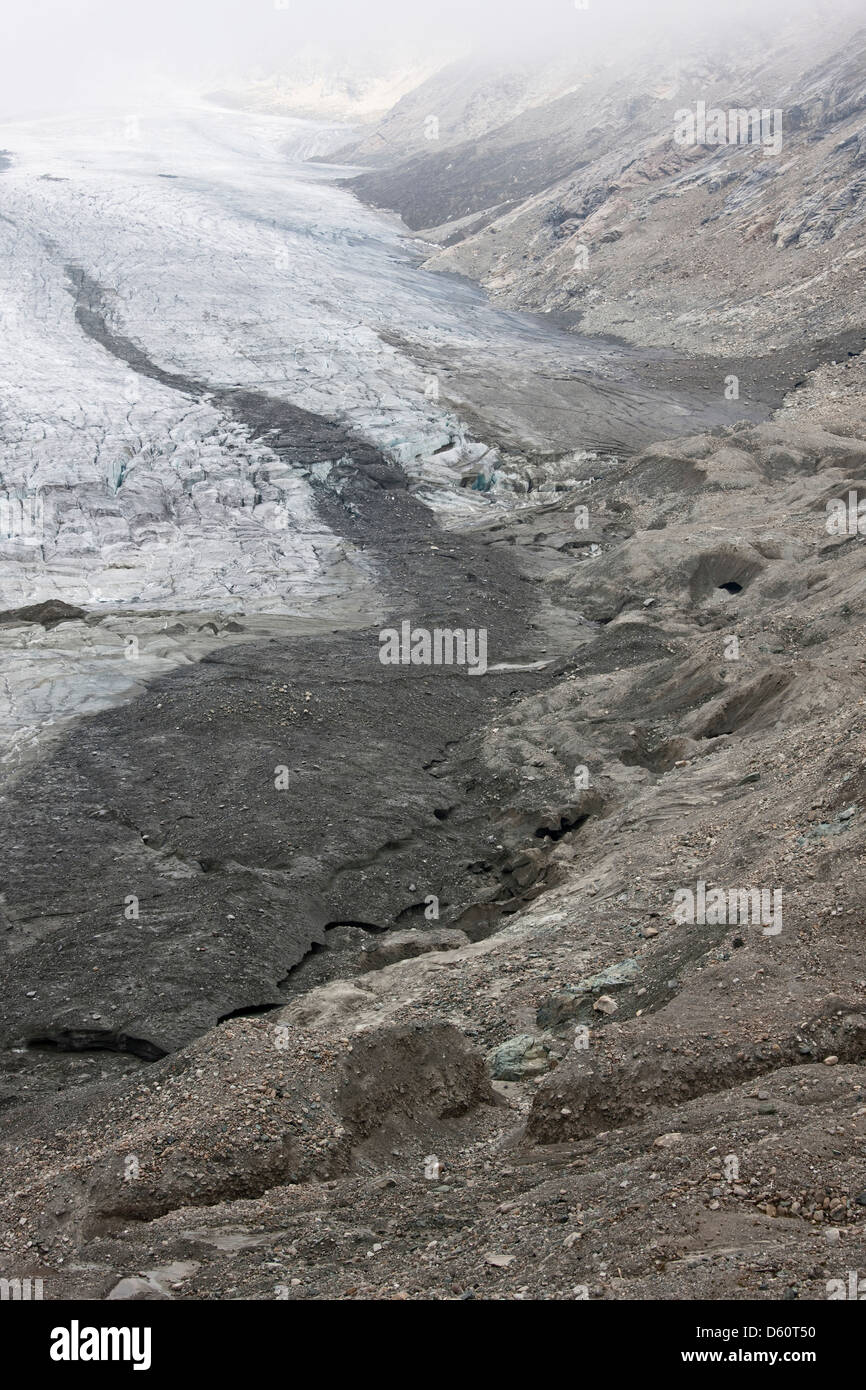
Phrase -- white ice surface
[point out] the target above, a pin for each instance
(247, 268)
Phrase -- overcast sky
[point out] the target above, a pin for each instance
(56, 54)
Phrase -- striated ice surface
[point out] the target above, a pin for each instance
(228, 261)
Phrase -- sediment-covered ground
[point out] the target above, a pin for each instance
(328, 979)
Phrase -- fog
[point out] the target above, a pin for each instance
(57, 55)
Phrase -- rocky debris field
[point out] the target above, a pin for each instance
(579, 1095)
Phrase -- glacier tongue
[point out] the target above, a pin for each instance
(152, 265)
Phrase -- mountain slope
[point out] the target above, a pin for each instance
(586, 205)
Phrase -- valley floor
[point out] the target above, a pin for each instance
(277, 1076)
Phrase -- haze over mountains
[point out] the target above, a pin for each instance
(518, 168)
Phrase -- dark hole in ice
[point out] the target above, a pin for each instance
(96, 1040)
(732, 587)
(352, 922)
(249, 1011)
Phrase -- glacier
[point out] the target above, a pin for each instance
(229, 262)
